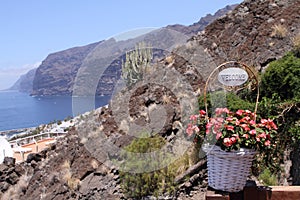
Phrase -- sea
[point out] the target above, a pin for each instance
(20, 110)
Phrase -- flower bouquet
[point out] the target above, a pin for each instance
(234, 138)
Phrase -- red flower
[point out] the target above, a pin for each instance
(227, 142)
(233, 140)
(202, 112)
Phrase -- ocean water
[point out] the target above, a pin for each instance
(19, 110)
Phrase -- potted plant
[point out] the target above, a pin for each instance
(231, 141)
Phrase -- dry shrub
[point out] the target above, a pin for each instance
(14, 192)
(95, 164)
(296, 44)
(279, 31)
(73, 183)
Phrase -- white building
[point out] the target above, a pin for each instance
(5, 149)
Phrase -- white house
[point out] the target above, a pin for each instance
(5, 149)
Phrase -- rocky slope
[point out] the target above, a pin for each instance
(203, 22)
(256, 32)
(57, 73)
(84, 164)
(25, 82)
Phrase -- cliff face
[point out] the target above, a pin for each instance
(256, 32)
(25, 82)
(203, 22)
(57, 73)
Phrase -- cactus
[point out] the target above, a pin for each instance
(136, 64)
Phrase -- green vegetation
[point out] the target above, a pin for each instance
(282, 77)
(267, 178)
(136, 64)
(161, 181)
(279, 100)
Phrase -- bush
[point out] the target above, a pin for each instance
(159, 182)
(279, 31)
(230, 100)
(282, 77)
(267, 178)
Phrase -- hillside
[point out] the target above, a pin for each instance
(57, 73)
(87, 163)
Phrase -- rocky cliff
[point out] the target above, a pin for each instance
(25, 82)
(256, 32)
(57, 73)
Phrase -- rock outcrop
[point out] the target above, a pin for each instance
(255, 32)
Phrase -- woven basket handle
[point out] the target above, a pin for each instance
(252, 81)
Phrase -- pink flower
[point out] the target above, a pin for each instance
(257, 139)
(220, 119)
(225, 110)
(194, 117)
(209, 125)
(267, 143)
(246, 136)
(229, 119)
(218, 135)
(269, 124)
(189, 130)
(227, 142)
(245, 119)
(248, 111)
(252, 122)
(237, 122)
(196, 129)
(252, 132)
(262, 135)
(245, 127)
(240, 112)
(220, 111)
(230, 128)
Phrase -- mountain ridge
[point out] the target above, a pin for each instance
(56, 74)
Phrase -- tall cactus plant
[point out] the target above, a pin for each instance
(136, 64)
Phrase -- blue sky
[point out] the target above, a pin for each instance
(31, 29)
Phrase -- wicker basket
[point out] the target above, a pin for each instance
(228, 171)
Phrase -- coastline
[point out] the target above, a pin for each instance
(16, 131)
